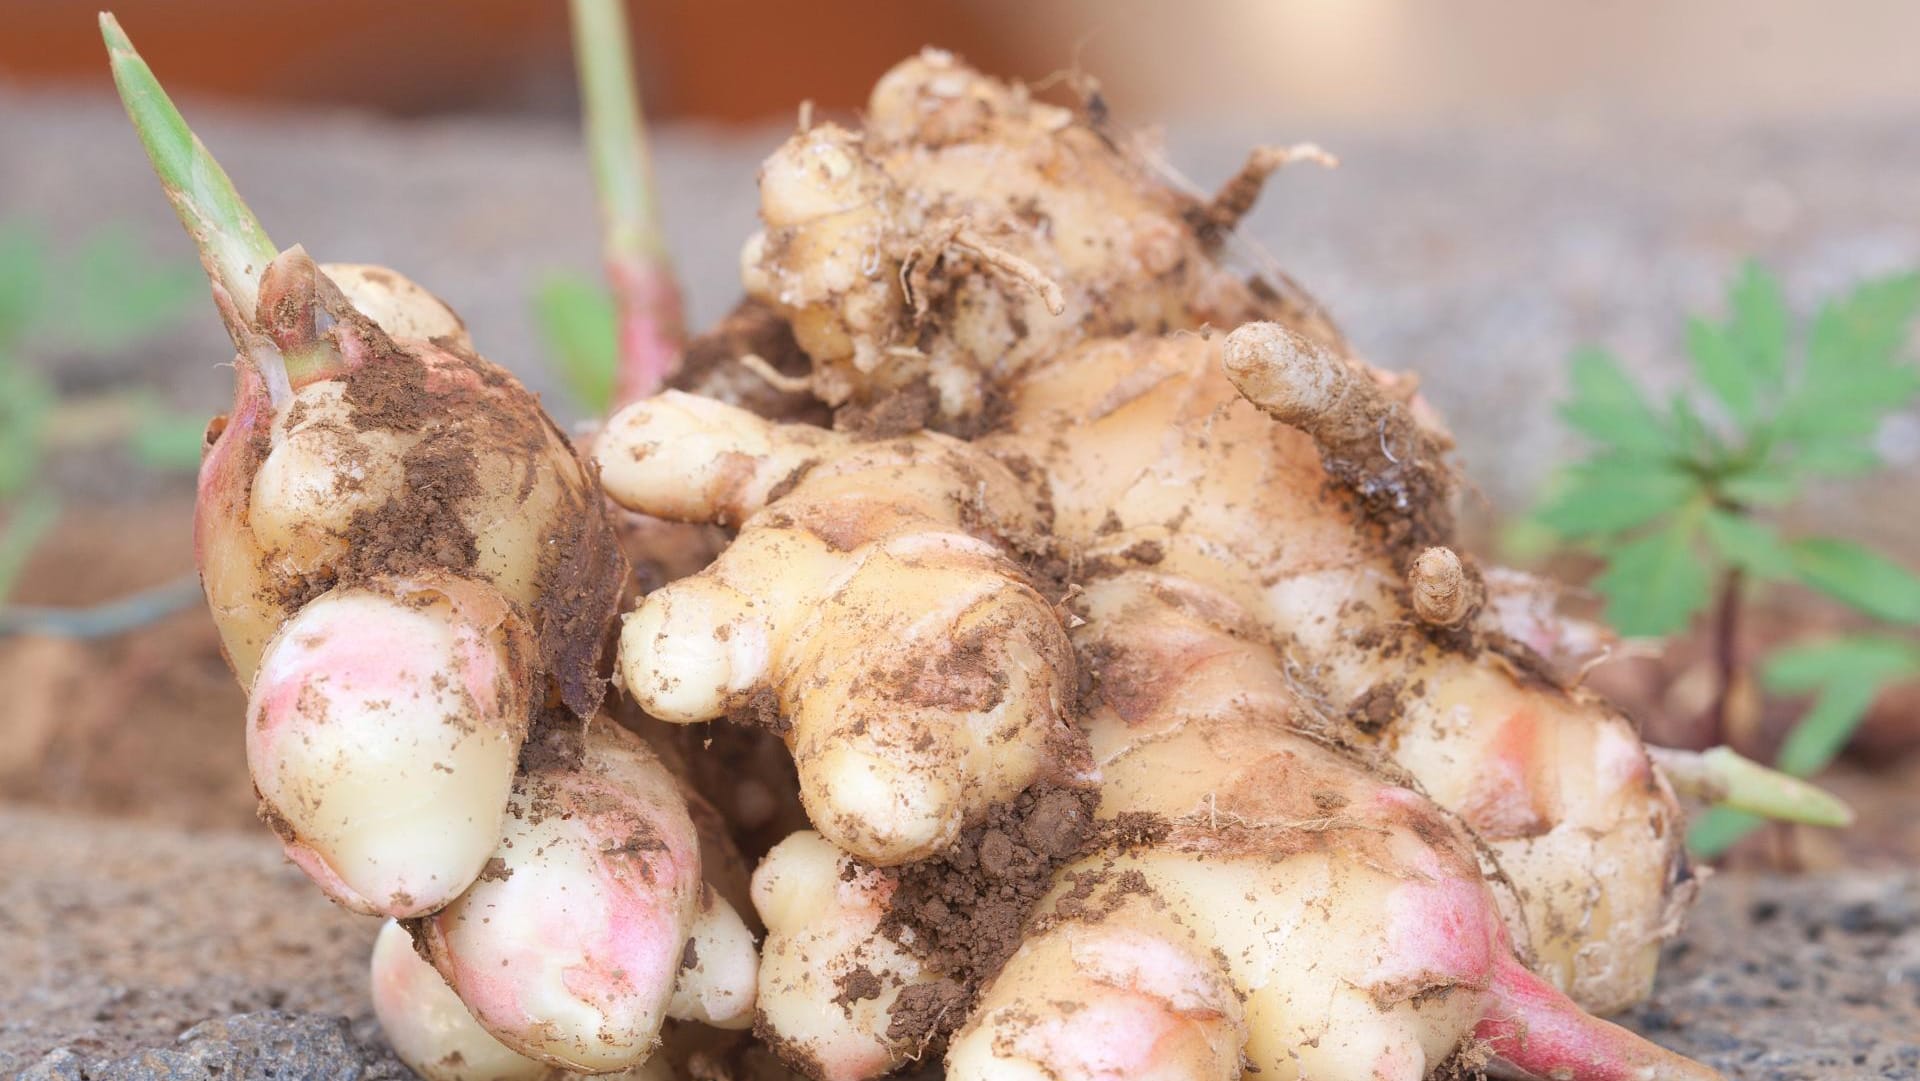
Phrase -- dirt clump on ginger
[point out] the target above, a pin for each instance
(964, 911)
(715, 365)
(420, 527)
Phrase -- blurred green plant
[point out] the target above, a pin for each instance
(1676, 499)
(578, 323)
(100, 297)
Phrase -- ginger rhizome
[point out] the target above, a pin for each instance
(415, 575)
(1507, 831)
(1105, 690)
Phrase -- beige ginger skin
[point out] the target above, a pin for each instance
(1102, 521)
(1267, 471)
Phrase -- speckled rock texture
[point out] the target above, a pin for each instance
(272, 1044)
(1796, 979)
(132, 952)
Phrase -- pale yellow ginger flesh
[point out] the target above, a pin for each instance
(1553, 781)
(1293, 914)
(981, 263)
(1193, 567)
(870, 610)
(968, 232)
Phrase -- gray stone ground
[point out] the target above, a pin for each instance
(1477, 256)
(133, 952)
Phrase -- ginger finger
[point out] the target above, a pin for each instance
(1348, 913)
(382, 734)
(569, 946)
(1071, 233)
(1553, 781)
(429, 1027)
(829, 975)
(870, 610)
(1369, 441)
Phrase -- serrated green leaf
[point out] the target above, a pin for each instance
(1695, 440)
(1719, 829)
(1760, 488)
(23, 260)
(1610, 495)
(1656, 584)
(1819, 736)
(1718, 361)
(577, 321)
(1858, 576)
(1758, 326)
(1853, 376)
(1752, 546)
(1860, 658)
(1837, 458)
(1868, 325)
(1608, 408)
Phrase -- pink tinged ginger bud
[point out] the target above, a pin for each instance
(383, 731)
(430, 1028)
(569, 946)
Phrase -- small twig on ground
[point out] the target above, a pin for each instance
(113, 617)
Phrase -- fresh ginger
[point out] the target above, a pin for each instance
(1148, 717)
(415, 576)
(1313, 523)
(970, 231)
(870, 608)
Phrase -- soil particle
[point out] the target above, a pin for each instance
(924, 1014)
(1145, 551)
(964, 910)
(555, 741)
(1467, 1063)
(857, 986)
(711, 366)
(1132, 829)
(421, 528)
(1377, 707)
(761, 709)
(898, 412)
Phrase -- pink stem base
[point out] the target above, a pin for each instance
(652, 328)
(1541, 1032)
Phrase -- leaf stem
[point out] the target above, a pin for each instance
(233, 247)
(1726, 654)
(1725, 778)
(639, 270)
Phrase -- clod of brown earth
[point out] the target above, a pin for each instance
(964, 911)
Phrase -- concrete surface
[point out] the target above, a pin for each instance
(133, 952)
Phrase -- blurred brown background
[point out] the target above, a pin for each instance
(742, 60)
